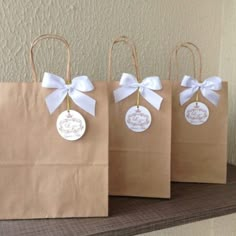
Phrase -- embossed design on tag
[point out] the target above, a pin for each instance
(138, 119)
(71, 125)
(196, 113)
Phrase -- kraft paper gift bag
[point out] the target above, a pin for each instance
(43, 174)
(140, 133)
(199, 126)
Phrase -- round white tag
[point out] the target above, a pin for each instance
(138, 119)
(196, 113)
(71, 125)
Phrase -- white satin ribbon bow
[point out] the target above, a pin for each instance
(75, 90)
(129, 84)
(207, 88)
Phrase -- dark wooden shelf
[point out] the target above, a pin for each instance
(130, 216)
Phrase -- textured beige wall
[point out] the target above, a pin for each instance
(219, 226)
(89, 25)
(228, 69)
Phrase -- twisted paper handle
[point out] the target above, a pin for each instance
(131, 44)
(174, 53)
(68, 66)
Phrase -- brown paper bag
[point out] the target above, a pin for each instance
(43, 175)
(139, 162)
(199, 152)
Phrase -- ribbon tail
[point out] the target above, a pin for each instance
(153, 98)
(122, 93)
(54, 99)
(85, 102)
(186, 95)
(210, 95)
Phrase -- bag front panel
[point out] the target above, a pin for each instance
(199, 153)
(46, 175)
(140, 162)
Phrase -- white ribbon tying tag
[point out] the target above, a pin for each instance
(207, 88)
(129, 84)
(75, 90)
